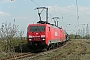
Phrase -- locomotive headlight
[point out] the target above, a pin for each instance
(30, 36)
(43, 39)
(42, 36)
(30, 39)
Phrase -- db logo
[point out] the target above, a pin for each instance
(56, 34)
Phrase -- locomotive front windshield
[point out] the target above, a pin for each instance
(37, 28)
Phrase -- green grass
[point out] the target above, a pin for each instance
(14, 42)
(0, 55)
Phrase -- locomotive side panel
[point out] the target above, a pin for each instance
(62, 36)
(53, 35)
(48, 33)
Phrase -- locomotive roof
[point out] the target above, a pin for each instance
(52, 25)
(46, 23)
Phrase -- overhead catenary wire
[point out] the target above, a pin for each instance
(55, 12)
(62, 15)
(46, 4)
(35, 2)
(39, 6)
(49, 8)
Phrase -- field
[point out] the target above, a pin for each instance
(72, 50)
(75, 49)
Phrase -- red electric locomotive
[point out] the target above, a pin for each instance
(44, 35)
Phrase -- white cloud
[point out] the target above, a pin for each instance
(4, 14)
(1, 13)
(70, 10)
(70, 15)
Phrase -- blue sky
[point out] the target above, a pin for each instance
(23, 12)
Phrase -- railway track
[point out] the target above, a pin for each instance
(43, 53)
(19, 56)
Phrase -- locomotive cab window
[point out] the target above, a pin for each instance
(49, 28)
(37, 28)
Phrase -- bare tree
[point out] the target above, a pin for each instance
(21, 38)
(7, 33)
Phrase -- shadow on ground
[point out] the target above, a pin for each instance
(22, 48)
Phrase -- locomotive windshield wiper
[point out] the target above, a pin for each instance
(35, 29)
(38, 29)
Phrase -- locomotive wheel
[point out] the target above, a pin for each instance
(48, 48)
(52, 46)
